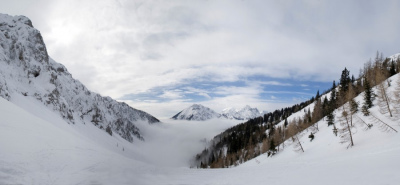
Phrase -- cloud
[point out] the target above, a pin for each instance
(171, 94)
(170, 100)
(179, 151)
(205, 95)
(130, 48)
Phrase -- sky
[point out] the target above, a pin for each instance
(163, 56)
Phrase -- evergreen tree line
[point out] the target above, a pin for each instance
(262, 134)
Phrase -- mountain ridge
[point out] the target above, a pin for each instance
(199, 112)
(196, 112)
(28, 70)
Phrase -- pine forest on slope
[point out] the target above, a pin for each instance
(338, 106)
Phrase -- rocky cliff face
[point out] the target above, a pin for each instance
(27, 70)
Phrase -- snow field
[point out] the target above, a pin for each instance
(36, 151)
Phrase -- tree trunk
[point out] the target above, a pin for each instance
(386, 101)
(299, 143)
(351, 136)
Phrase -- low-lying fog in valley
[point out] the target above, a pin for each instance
(175, 142)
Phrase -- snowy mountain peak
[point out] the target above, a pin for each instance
(229, 109)
(196, 112)
(197, 106)
(200, 113)
(395, 57)
(243, 114)
(247, 107)
(27, 73)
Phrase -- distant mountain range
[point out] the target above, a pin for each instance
(199, 112)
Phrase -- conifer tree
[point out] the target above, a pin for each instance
(367, 94)
(108, 130)
(332, 106)
(332, 100)
(271, 130)
(325, 107)
(345, 80)
(308, 116)
(317, 96)
(330, 118)
(333, 85)
(392, 70)
(272, 147)
(286, 123)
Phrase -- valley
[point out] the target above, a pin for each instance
(43, 152)
(55, 130)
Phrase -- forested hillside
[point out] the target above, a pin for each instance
(338, 106)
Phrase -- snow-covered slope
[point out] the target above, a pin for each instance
(243, 114)
(38, 151)
(196, 112)
(28, 73)
(35, 151)
(395, 57)
(372, 159)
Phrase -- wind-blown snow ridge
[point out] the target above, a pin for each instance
(26, 71)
